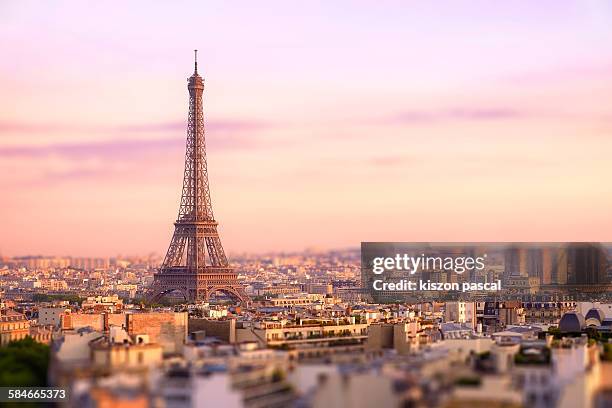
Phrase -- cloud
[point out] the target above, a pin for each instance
(124, 148)
(587, 70)
(454, 114)
(486, 114)
(131, 150)
(103, 160)
(219, 125)
(215, 126)
(102, 149)
(513, 161)
(21, 127)
(120, 148)
(391, 161)
(75, 174)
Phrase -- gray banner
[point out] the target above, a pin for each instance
(411, 272)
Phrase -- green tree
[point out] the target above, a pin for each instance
(24, 363)
(45, 297)
(607, 352)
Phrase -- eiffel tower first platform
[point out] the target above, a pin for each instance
(195, 264)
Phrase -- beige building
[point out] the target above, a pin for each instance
(168, 329)
(103, 303)
(289, 301)
(403, 337)
(523, 284)
(53, 285)
(460, 312)
(319, 288)
(13, 326)
(277, 333)
(309, 339)
(511, 315)
(125, 352)
(277, 290)
(355, 391)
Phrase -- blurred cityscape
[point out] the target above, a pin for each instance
(331, 123)
(310, 337)
(198, 329)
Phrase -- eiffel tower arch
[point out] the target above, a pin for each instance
(195, 264)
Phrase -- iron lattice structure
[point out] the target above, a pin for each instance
(195, 263)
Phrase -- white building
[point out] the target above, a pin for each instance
(460, 312)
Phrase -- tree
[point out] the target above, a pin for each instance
(24, 363)
(46, 297)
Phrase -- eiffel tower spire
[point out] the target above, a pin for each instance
(195, 263)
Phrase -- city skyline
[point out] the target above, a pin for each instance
(353, 125)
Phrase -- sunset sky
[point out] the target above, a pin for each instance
(328, 123)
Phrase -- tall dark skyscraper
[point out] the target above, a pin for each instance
(195, 264)
(535, 262)
(587, 264)
(515, 261)
(547, 262)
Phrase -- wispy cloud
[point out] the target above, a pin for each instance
(23, 127)
(392, 160)
(215, 126)
(454, 114)
(219, 125)
(588, 70)
(127, 150)
(111, 148)
(121, 148)
(467, 161)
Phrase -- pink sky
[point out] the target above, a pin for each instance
(327, 124)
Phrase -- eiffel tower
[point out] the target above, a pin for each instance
(195, 264)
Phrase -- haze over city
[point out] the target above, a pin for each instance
(326, 127)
